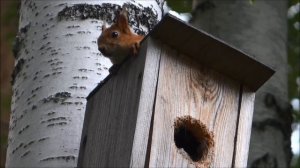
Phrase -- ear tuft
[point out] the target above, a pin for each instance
(122, 20)
(103, 26)
(124, 12)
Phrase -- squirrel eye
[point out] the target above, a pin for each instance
(114, 34)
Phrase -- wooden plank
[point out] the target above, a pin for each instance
(187, 88)
(146, 104)
(212, 52)
(244, 128)
(112, 117)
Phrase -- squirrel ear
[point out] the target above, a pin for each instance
(124, 12)
(103, 26)
(122, 20)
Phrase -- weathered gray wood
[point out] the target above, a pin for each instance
(145, 109)
(244, 128)
(112, 117)
(187, 88)
(212, 52)
(130, 119)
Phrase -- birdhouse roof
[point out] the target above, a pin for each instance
(211, 51)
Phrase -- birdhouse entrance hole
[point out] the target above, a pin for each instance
(195, 139)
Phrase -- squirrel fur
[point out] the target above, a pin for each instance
(118, 41)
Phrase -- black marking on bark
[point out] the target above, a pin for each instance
(66, 158)
(282, 108)
(275, 123)
(18, 68)
(31, 97)
(66, 103)
(267, 160)
(283, 123)
(62, 4)
(55, 119)
(58, 68)
(56, 63)
(43, 139)
(26, 51)
(28, 144)
(31, 5)
(58, 97)
(86, 48)
(72, 27)
(83, 32)
(25, 154)
(23, 129)
(78, 103)
(34, 107)
(138, 15)
(49, 14)
(57, 124)
(25, 29)
(46, 6)
(69, 35)
(51, 113)
(73, 87)
(83, 70)
(46, 76)
(17, 148)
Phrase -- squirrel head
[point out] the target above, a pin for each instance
(114, 41)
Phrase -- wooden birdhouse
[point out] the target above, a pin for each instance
(185, 101)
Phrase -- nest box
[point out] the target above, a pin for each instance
(186, 101)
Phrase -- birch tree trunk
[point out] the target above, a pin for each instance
(259, 29)
(57, 65)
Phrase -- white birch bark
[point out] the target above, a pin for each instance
(260, 30)
(57, 65)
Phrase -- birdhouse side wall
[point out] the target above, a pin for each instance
(112, 116)
(244, 128)
(146, 104)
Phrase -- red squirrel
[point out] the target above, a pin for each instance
(118, 42)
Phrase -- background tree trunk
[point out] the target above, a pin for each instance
(57, 65)
(259, 29)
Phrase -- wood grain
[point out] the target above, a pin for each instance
(244, 128)
(187, 88)
(146, 104)
(162, 85)
(112, 115)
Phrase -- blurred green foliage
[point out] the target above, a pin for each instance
(9, 26)
(5, 103)
(182, 6)
(9, 18)
(293, 52)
